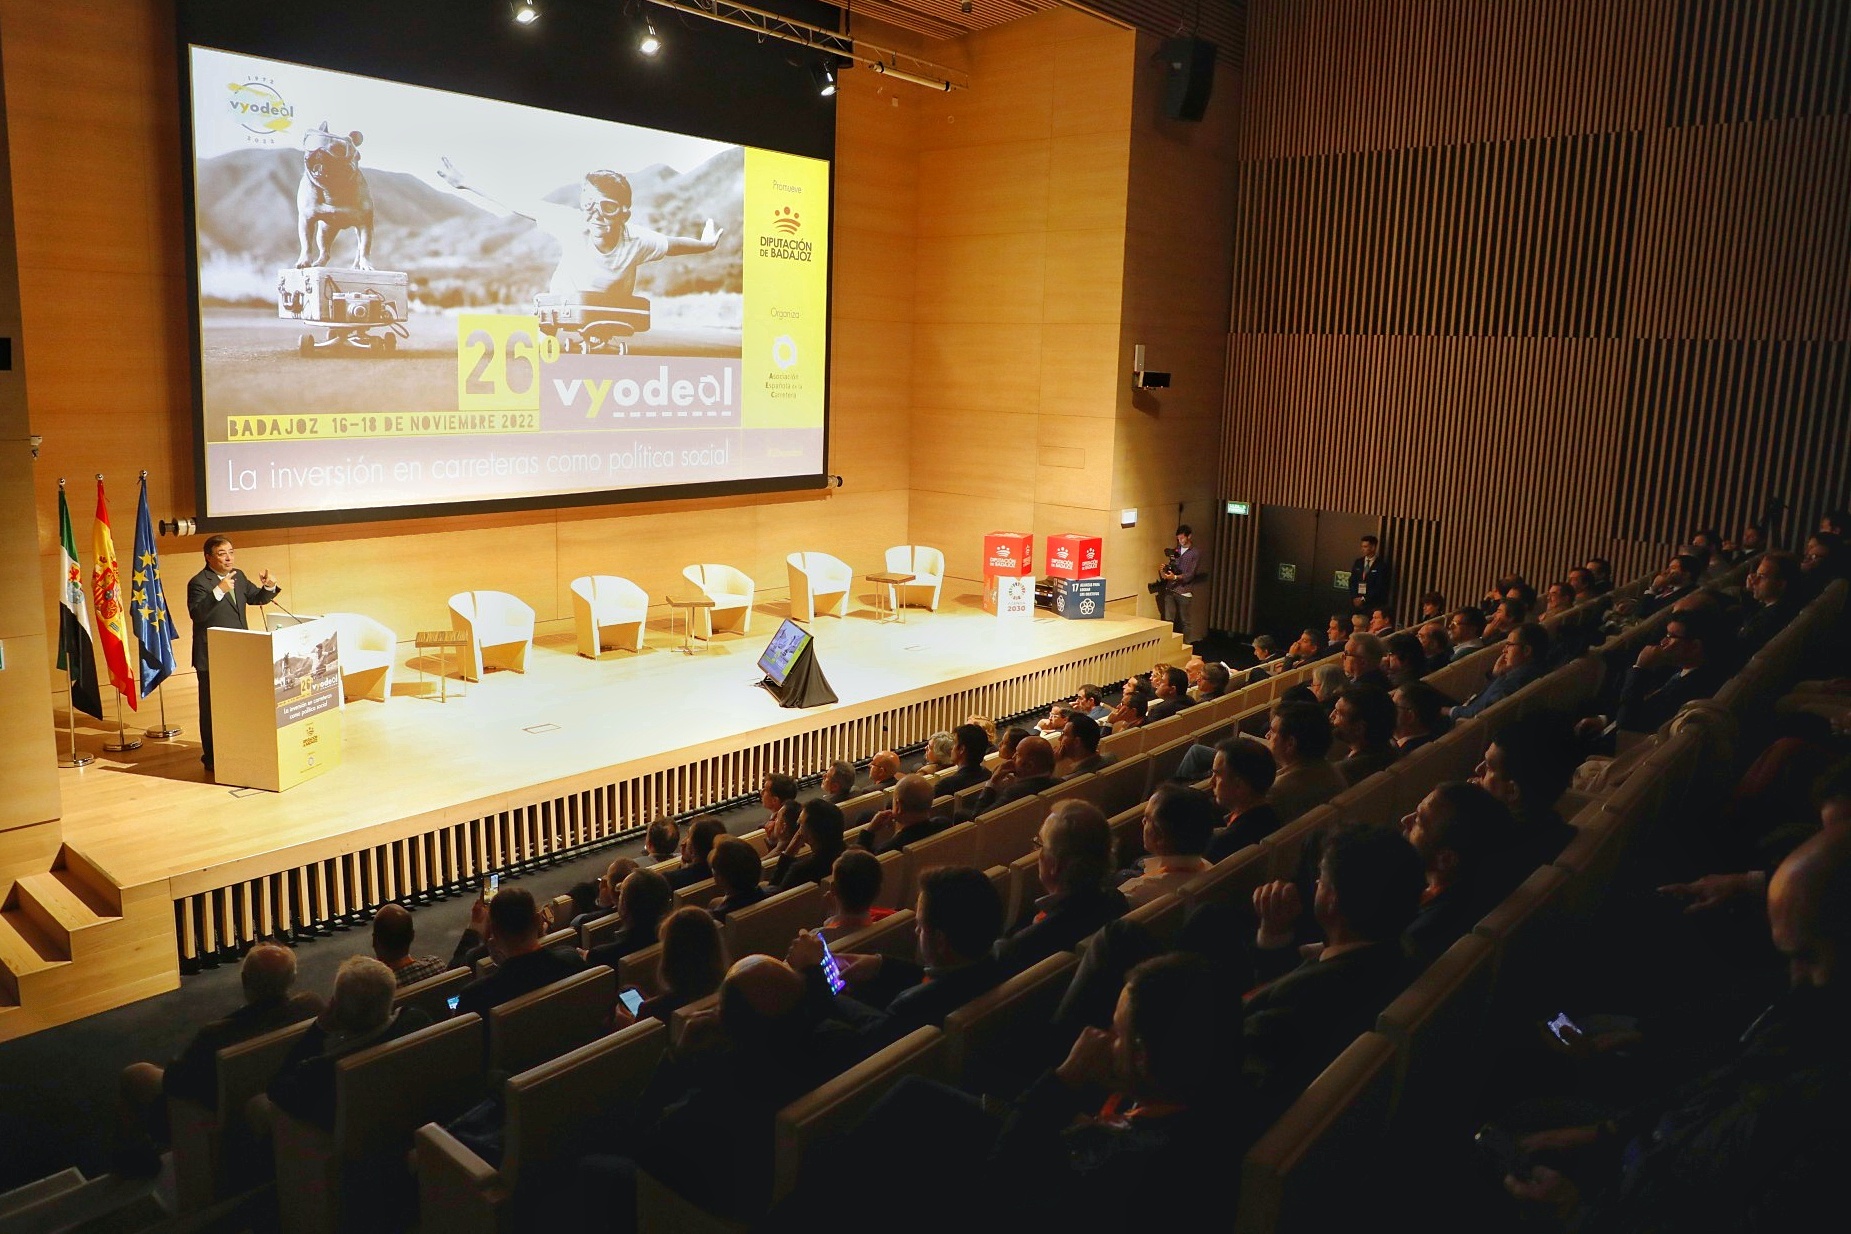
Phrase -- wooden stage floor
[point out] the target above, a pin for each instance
(151, 815)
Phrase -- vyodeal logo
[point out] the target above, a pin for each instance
(259, 107)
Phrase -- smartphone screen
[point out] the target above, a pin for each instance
(832, 972)
(1561, 1023)
(494, 885)
(631, 998)
(452, 1001)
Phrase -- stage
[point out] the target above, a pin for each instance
(569, 753)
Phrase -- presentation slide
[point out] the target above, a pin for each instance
(782, 652)
(411, 299)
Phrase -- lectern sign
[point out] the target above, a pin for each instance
(307, 683)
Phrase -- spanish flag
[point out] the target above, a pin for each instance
(111, 619)
(76, 651)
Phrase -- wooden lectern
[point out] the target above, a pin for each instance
(276, 715)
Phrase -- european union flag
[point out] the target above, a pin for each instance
(149, 617)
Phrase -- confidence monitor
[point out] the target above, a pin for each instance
(791, 671)
(414, 301)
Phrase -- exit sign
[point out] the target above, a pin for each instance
(1240, 508)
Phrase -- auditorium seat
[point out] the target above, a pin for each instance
(891, 935)
(552, 1113)
(499, 628)
(368, 651)
(215, 1152)
(1163, 916)
(1437, 1025)
(1007, 832)
(695, 895)
(1024, 886)
(954, 846)
(731, 591)
(926, 565)
(767, 927)
(432, 995)
(992, 1042)
(837, 1105)
(1316, 1169)
(640, 969)
(382, 1096)
(547, 1022)
(597, 933)
(1233, 879)
(1527, 930)
(1162, 760)
(819, 584)
(608, 611)
(1284, 846)
(1371, 800)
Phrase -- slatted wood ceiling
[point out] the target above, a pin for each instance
(1538, 280)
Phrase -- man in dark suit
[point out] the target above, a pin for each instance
(839, 782)
(510, 924)
(696, 844)
(1774, 584)
(1363, 721)
(1243, 775)
(360, 1015)
(1172, 687)
(1457, 830)
(1369, 886)
(970, 745)
(1362, 661)
(1528, 766)
(217, 596)
(1030, 771)
(1372, 579)
(1078, 754)
(1526, 651)
(1683, 666)
(909, 819)
(1074, 857)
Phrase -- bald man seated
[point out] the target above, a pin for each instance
(1030, 770)
(908, 819)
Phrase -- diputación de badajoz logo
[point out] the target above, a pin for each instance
(786, 244)
(259, 107)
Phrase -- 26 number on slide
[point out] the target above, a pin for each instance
(498, 359)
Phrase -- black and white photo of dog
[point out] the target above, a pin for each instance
(332, 197)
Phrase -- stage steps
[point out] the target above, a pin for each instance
(70, 946)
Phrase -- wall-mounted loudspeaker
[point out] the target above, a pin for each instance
(1188, 77)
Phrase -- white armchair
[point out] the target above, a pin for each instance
(819, 583)
(926, 565)
(730, 590)
(605, 604)
(367, 650)
(500, 630)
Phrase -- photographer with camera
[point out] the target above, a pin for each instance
(1181, 567)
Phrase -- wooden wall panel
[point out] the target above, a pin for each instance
(1539, 281)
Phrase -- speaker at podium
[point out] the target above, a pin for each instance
(276, 703)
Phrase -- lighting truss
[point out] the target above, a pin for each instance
(883, 60)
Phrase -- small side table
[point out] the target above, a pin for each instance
(441, 641)
(688, 606)
(887, 603)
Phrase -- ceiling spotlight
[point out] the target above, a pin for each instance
(823, 74)
(649, 43)
(526, 12)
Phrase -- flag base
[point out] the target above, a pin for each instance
(78, 760)
(121, 747)
(161, 734)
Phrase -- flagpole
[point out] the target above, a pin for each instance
(122, 742)
(70, 714)
(164, 732)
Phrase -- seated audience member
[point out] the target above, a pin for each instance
(1359, 623)
(1506, 615)
(1466, 629)
(1679, 578)
(1074, 859)
(1432, 605)
(937, 753)
(854, 885)
(1602, 572)
(1327, 681)
(1172, 687)
(662, 841)
(360, 1015)
(643, 900)
(1133, 1109)
(1131, 712)
(1243, 774)
(1520, 663)
(1581, 586)
(1420, 716)
(1750, 540)
(1521, 593)
(839, 782)
(511, 926)
(1363, 722)
(1215, 681)
(1266, 659)
(1178, 823)
(696, 844)
(1838, 522)
(987, 725)
(1362, 661)
(884, 770)
(1381, 621)
(1528, 765)
(1300, 739)
(1030, 771)
(1368, 890)
(819, 839)
(604, 898)
(1457, 829)
(1011, 738)
(969, 746)
(585, 903)
(1687, 664)
(1831, 812)
(1086, 702)
(1822, 561)
(1404, 659)
(1754, 1142)
(1558, 599)
(958, 917)
(775, 792)
(1774, 586)
(1434, 644)
(781, 828)
(265, 975)
(1078, 754)
(393, 933)
(738, 876)
(908, 819)
(693, 962)
(1192, 669)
